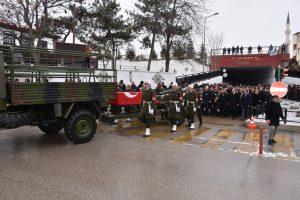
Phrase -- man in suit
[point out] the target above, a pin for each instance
(273, 113)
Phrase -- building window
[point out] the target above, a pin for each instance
(25, 42)
(44, 44)
(9, 39)
(295, 47)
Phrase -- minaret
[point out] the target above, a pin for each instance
(288, 32)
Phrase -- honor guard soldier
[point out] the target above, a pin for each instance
(148, 110)
(191, 104)
(175, 106)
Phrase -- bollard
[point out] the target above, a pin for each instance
(261, 141)
(285, 115)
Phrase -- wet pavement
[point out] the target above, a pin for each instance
(216, 161)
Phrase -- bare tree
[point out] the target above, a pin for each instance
(33, 15)
(179, 19)
(215, 42)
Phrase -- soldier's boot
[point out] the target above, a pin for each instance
(192, 127)
(128, 120)
(147, 133)
(174, 128)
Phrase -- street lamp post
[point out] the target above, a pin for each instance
(204, 30)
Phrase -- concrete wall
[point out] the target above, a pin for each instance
(137, 76)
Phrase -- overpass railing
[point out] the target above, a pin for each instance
(259, 113)
(247, 51)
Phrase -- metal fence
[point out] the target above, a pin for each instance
(51, 65)
(255, 50)
(260, 110)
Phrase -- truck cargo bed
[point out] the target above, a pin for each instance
(59, 92)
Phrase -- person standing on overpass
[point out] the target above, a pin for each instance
(273, 113)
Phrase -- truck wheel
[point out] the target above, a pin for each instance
(15, 120)
(80, 127)
(50, 128)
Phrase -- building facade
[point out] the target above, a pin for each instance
(296, 46)
(18, 36)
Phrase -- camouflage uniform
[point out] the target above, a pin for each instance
(175, 102)
(148, 104)
(191, 105)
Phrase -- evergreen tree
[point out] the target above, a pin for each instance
(130, 54)
(147, 18)
(163, 52)
(202, 52)
(153, 55)
(179, 50)
(190, 51)
(102, 26)
(61, 26)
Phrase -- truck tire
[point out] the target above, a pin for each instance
(80, 127)
(51, 128)
(15, 120)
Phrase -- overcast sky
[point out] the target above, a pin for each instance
(249, 22)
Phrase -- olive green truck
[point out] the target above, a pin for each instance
(54, 90)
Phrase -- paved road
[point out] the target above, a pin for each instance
(214, 162)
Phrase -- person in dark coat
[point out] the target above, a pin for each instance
(214, 101)
(134, 87)
(254, 94)
(223, 103)
(224, 51)
(273, 113)
(241, 50)
(207, 97)
(283, 48)
(246, 100)
(249, 50)
(122, 85)
(228, 51)
(237, 50)
(140, 86)
(233, 50)
(268, 96)
(234, 101)
(261, 96)
(164, 86)
(259, 49)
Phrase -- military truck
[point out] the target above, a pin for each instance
(54, 90)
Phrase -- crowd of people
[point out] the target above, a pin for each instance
(222, 99)
(240, 50)
(293, 92)
(226, 100)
